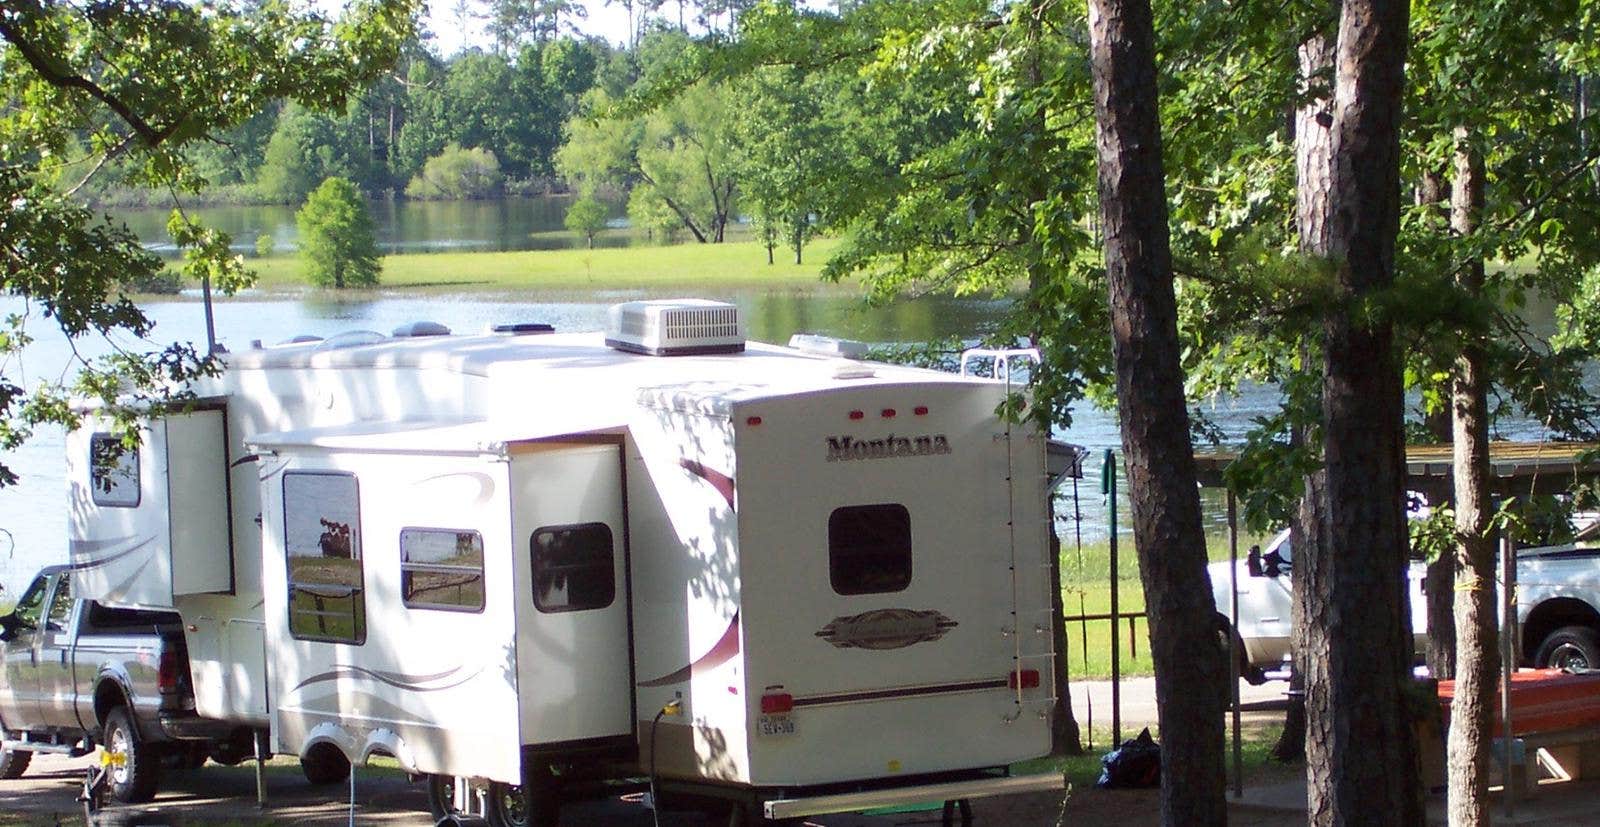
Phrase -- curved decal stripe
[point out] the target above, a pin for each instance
(720, 481)
(413, 683)
(724, 651)
(78, 547)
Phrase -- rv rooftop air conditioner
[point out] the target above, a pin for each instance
(675, 327)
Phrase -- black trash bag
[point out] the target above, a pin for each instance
(1137, 763)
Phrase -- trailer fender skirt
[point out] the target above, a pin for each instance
(388, 742)
(338, 736)
(898, 796)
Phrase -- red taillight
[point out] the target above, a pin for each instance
(776, 702)
(167, 673)
(752, 421)
(1023, 679)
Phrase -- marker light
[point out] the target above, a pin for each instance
(888, 413)
(774, 703)
(857, 415)
(1023, 679)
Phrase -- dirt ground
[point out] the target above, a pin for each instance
(214, 794)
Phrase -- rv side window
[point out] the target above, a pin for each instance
(322, 524)
(573, 568)
(869, 549)
(113, 472)
(441, 569)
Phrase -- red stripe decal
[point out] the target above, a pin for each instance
(723, 651)
(720, 481)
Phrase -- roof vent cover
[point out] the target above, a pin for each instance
(675, 327)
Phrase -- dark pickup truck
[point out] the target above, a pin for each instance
(78, 674)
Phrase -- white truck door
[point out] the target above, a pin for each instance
(574, 676)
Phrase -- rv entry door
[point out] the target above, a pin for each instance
(574, 677)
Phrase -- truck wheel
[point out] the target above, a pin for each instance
(134, 779)
(1570, 647)
(325, 764)
(14, 762)
(1251, 674)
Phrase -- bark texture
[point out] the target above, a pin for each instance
(1438, 587)
(1361, 746)
(1313, 150)
(1477, 662)
(1155, 421)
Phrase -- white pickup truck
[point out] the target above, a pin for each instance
(1558, 606)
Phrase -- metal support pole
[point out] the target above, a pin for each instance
(1108, 486)
(261, 779)
(1508, 664)
(1230, 674)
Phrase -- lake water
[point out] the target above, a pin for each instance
(33, 513)
(402, 226)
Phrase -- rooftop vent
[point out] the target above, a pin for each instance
(828, 346)
(411, 329)
(675, 327)
(351, 338)
(523, 328)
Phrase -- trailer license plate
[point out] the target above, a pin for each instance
(781, 724)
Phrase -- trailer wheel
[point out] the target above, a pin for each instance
(136, 768)
(14, 762)
(325, 764)
(535, 803)
(1570, 647)
(442, 797)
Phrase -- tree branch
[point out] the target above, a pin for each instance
(41, 64)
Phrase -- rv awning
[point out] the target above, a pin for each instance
(423, 436)
(1516, 468)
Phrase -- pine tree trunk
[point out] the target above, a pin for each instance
(1154, 414)
(1477, 664)
(1361, 748)
(1313, 147)
(1438, 587)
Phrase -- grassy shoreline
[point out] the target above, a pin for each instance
(737, 264)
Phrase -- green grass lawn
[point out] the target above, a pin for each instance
(731, 264)
(1086, 589)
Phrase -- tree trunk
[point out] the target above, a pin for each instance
(1154, 414)
(1477, 664)
(1361, 749)
(1313, 147)
(1438, 587)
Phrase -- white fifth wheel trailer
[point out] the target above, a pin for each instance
(520, 561)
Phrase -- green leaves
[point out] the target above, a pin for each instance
(117, 89)
(337, 237)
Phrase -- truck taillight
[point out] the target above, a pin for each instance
(1023, 679)
(773, 703)
(167, 673)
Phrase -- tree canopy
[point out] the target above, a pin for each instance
(120, 89)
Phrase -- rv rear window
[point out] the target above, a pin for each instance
(322, 527)
(573, 568)
(441, 569)
(869, 549)
(113, 472)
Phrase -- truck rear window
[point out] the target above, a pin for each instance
(869, 549)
